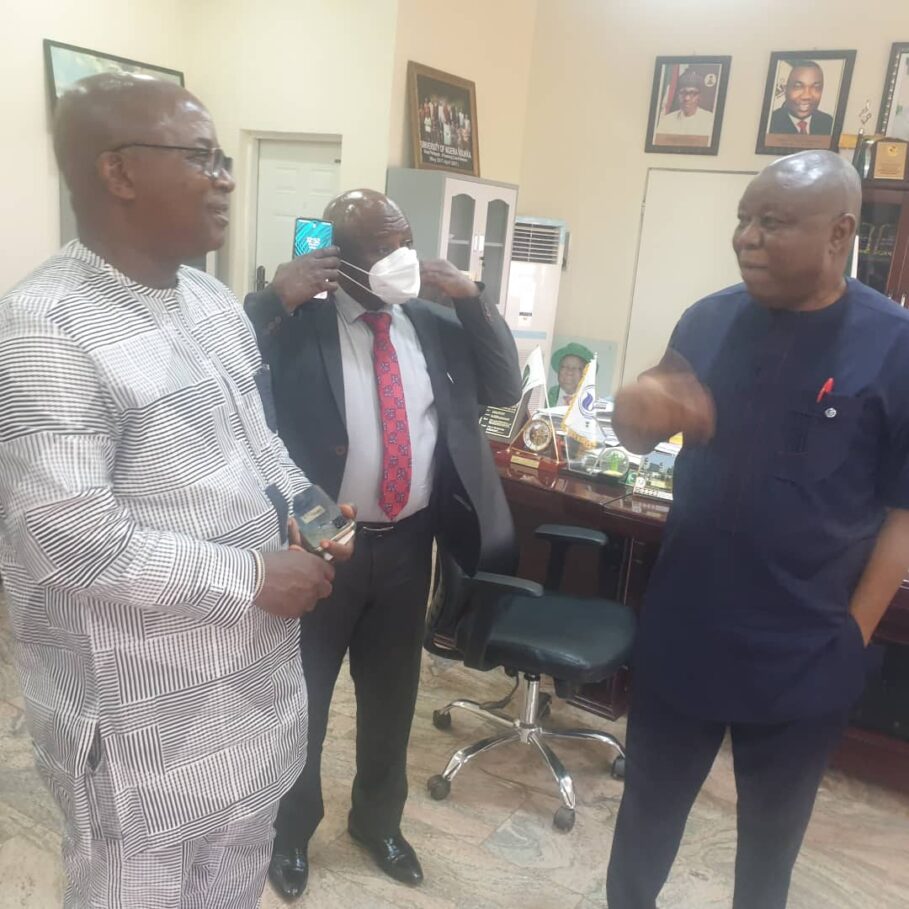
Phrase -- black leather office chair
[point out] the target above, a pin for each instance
(493, 620)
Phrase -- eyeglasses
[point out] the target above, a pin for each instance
(211, 161)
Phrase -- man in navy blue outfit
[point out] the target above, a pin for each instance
(788, 536)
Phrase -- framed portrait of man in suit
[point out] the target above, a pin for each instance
(686, 105)
(804, 101)
(894, 117)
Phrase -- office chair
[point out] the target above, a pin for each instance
(494, 620)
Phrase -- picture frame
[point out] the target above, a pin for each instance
(893, 120)
(443, 120)
(797, 113)
(687, 103)
(66, 64)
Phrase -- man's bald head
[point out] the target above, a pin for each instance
(367, 226)
(109, 110)
(138, 157)
(820, 179)
(360, 214)
(797, 221)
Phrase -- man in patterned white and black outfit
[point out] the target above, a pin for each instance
(143, 522)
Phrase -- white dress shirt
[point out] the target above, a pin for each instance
(805, 120)
(700, 123)
(363, 471)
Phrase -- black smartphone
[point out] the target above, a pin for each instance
(319, 518)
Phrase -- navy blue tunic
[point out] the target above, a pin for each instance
(746, 615)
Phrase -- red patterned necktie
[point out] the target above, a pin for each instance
(803, 127)
(397, 458)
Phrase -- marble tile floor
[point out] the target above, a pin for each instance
(492, 844)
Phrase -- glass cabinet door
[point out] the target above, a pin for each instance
(877, 243)
(461, 231)
(498, 218)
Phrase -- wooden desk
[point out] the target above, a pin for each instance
(635, 527)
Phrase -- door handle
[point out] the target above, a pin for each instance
(260, 278)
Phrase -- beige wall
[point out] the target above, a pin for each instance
(293, 68)
(590, 91)
(563, 93)
(487, 41)
(139, 29)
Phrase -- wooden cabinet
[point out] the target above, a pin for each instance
(883, 251)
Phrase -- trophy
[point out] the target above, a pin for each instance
(859, 154)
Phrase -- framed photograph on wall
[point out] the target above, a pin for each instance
(686, 105)
(66, 64)
(443, 120)
(804, 101)
(894, 117)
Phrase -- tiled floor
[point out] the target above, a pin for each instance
(492, 844)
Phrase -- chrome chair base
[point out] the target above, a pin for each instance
(528, 731)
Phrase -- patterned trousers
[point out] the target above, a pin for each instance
(225, 869)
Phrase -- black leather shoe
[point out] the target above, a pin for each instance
(288, 871)
(394, 855)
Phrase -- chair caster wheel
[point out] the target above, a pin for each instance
(618, 768)
(438, 787)
(564, 819)
(545, 707)
(441, 720)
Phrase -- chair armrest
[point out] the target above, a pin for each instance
(566, 534)
(504, 583)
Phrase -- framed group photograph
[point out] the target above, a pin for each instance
(686, 105)
(804, 101)
(66, 64)
(443, 120)
(893, 121)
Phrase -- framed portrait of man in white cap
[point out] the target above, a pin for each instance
(686, 105)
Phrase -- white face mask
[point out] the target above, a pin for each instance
(394, 279)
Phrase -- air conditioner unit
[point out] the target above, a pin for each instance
(537, 258)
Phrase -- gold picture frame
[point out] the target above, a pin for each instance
(443, 121)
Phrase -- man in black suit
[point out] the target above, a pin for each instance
(799, 113)
(378, 396)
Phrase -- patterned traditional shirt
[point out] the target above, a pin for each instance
(138, 476)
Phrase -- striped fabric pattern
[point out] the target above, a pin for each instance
(135, 456)
(224, 869)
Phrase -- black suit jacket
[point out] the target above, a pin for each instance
(781, 122)
(472, 362)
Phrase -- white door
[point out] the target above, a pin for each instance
(684, 253)
(296, 180)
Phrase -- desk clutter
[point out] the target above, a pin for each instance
(545, 443)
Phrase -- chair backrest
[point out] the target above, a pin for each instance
(449, 599)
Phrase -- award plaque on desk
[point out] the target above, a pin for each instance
(654, 478)
(503, 423)
(890, 160)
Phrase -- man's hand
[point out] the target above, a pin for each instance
(298, 281)
(660, 404)
(340, 552)
(294, 582)
(441, 275)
